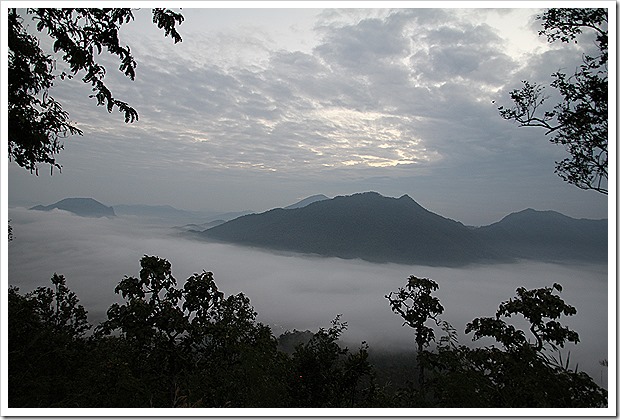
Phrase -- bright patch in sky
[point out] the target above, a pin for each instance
(349, 131)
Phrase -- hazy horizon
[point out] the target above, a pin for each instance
(208, 212)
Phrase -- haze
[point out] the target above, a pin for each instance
(292, 291)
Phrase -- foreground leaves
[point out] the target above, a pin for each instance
(193, 346)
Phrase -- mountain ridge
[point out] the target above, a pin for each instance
(332, 228)
(399, 230)
(307, 201)
(85, 207)
(375, 228)
(544, 231)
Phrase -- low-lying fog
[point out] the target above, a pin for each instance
(294, 291)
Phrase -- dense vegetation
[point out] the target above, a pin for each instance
(192, 346)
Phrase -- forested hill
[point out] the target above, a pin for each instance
(548, 236)
(85, 207)
(383, 229)
(366, 225)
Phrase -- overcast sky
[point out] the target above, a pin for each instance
(258, 108)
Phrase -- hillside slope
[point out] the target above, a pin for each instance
(383, 229)
(548, 236)
(367, 226)
(85, 207)
(307, 201)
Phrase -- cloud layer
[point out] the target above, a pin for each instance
(379, 94)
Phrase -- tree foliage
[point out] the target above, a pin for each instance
(37, 122)
(415, 304)
(522, 373)
(46, 345)
(171, 346)
(199, 347)
(540, 308)
(327, 375)
(167, 345)
(579, 121)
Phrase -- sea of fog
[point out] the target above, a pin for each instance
(293, 291)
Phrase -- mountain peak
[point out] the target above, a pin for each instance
(548, 236)
(368, 195)
(372, 227)
(86, 207)
(364, 225)
(531, 214)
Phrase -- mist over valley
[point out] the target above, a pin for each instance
(293, 290)
(375, 228)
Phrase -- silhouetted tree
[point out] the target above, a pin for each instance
(579, 121)
(520, 374)
(36, 121)
(46, 346)
(415, 304)
(192, 345)
(327, 375)
(540, 308)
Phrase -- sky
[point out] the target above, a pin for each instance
(261, 107)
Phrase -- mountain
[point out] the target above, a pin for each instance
(366, 225)
(151, 211)
(548, 236)
(307, 201)
(194, 227)
(170, 216)
(162, 215)
(383, 229)
(85, 207)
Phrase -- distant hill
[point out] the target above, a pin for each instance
(161, 215)
(150, 211)
(194, 227)
(307, 201)
(170, 216)
(383, 229)
(85, 207)
(367, 226)
(548, 236)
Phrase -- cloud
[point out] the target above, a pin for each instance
(362, 46)
(334, 108)
(291, 291)
(463, 52)
(382, 93)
